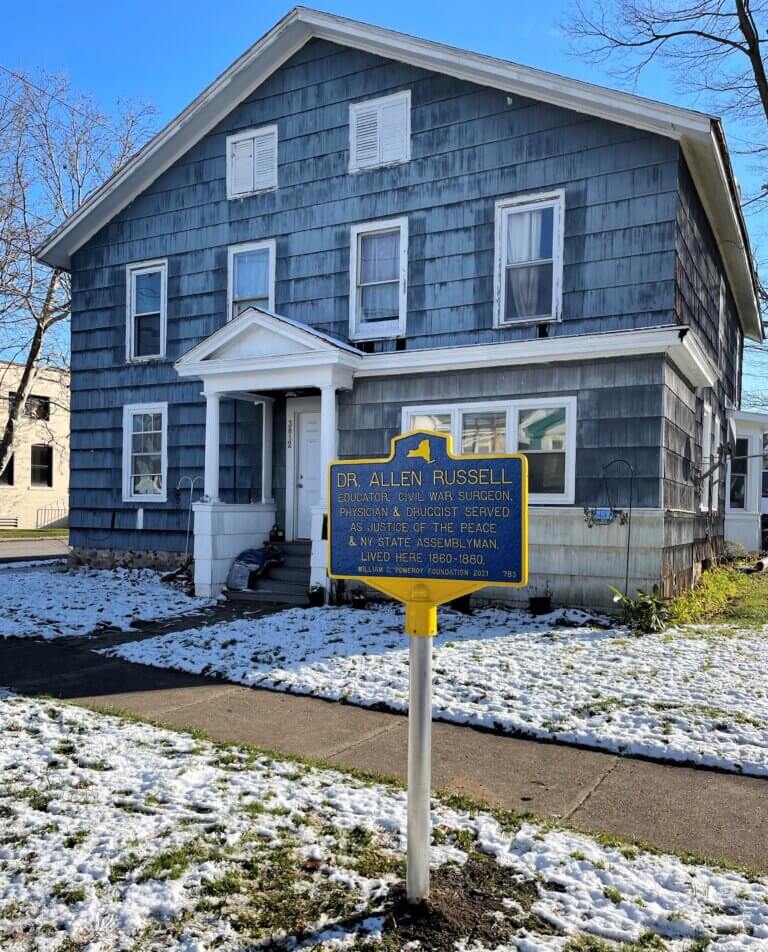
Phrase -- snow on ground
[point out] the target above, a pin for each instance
(696, 695)
(45, 602)
(116, 835)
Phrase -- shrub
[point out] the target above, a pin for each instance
(646, 611)
(712, 595)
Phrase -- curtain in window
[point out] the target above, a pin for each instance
(379, 276)
(146, 454)
(529, 286)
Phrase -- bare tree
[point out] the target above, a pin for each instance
(56, 146)
(716, 52)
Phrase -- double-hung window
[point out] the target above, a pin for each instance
(378, 279)
(251, 277)
(146, 296)
(41, 474)
(738, 475)
(145, 452)
(251, 161)
(544, 430)
(706, 456)
(529, 259)
(380, 131)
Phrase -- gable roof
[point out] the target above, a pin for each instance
(256, 332)
(701, 136)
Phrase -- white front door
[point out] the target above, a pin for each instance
(307, 470)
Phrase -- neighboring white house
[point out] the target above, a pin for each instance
(34, 486)
(746, 498)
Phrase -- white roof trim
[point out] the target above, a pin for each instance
(296, 369)
(693, 129)
(320, 345)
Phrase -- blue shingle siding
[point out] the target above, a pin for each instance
(619, 414)
(470, 146)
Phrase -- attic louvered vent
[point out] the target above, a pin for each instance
(380, 131)
(251, 161)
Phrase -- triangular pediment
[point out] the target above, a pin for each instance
(260, 335)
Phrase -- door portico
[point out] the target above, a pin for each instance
(255, 358)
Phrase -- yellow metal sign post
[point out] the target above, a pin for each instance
(424, 527)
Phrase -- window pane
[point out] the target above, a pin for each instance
(546, 472)
(765, 484)
(483, 432)
(379, 257)
(146, 485)
(439, 422)
(240, 306)
(379, 302)
(528, 292)
(251, 275)
(39, 408)
(739, 463)
(738, 491)
(147, 336)
(42, 466)
(530, 235)
(146, 443)
(541, 429)
(147, 293)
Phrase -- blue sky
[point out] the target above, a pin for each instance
(166, 51)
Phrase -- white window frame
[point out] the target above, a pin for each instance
(512, 409)
(232, 141)
(714, 491)
(129, 411)
(246, 246)
(384, 329)
(706, 457)
(379, 103)
(132, 271)
(748, 477)
(522, 203)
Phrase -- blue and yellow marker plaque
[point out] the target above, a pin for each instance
(425, 526)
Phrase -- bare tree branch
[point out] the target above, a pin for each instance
(715, 50)
(56, 146)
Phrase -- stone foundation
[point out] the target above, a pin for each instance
(125, 558)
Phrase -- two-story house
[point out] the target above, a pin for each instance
(353, 232)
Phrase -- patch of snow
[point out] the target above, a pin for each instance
(696, 695)
(113, 831)
(49, 603)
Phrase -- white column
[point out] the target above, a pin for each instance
(266, 450)
(211, 480)
(327, 437)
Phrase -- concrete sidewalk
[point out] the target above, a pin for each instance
(23, 550)
(721, 816)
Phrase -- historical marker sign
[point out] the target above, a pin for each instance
(425, 526)
(427, 514)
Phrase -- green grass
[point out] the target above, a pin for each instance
(509, 820)
(749, 608)
(34, 533)
(717, 595)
